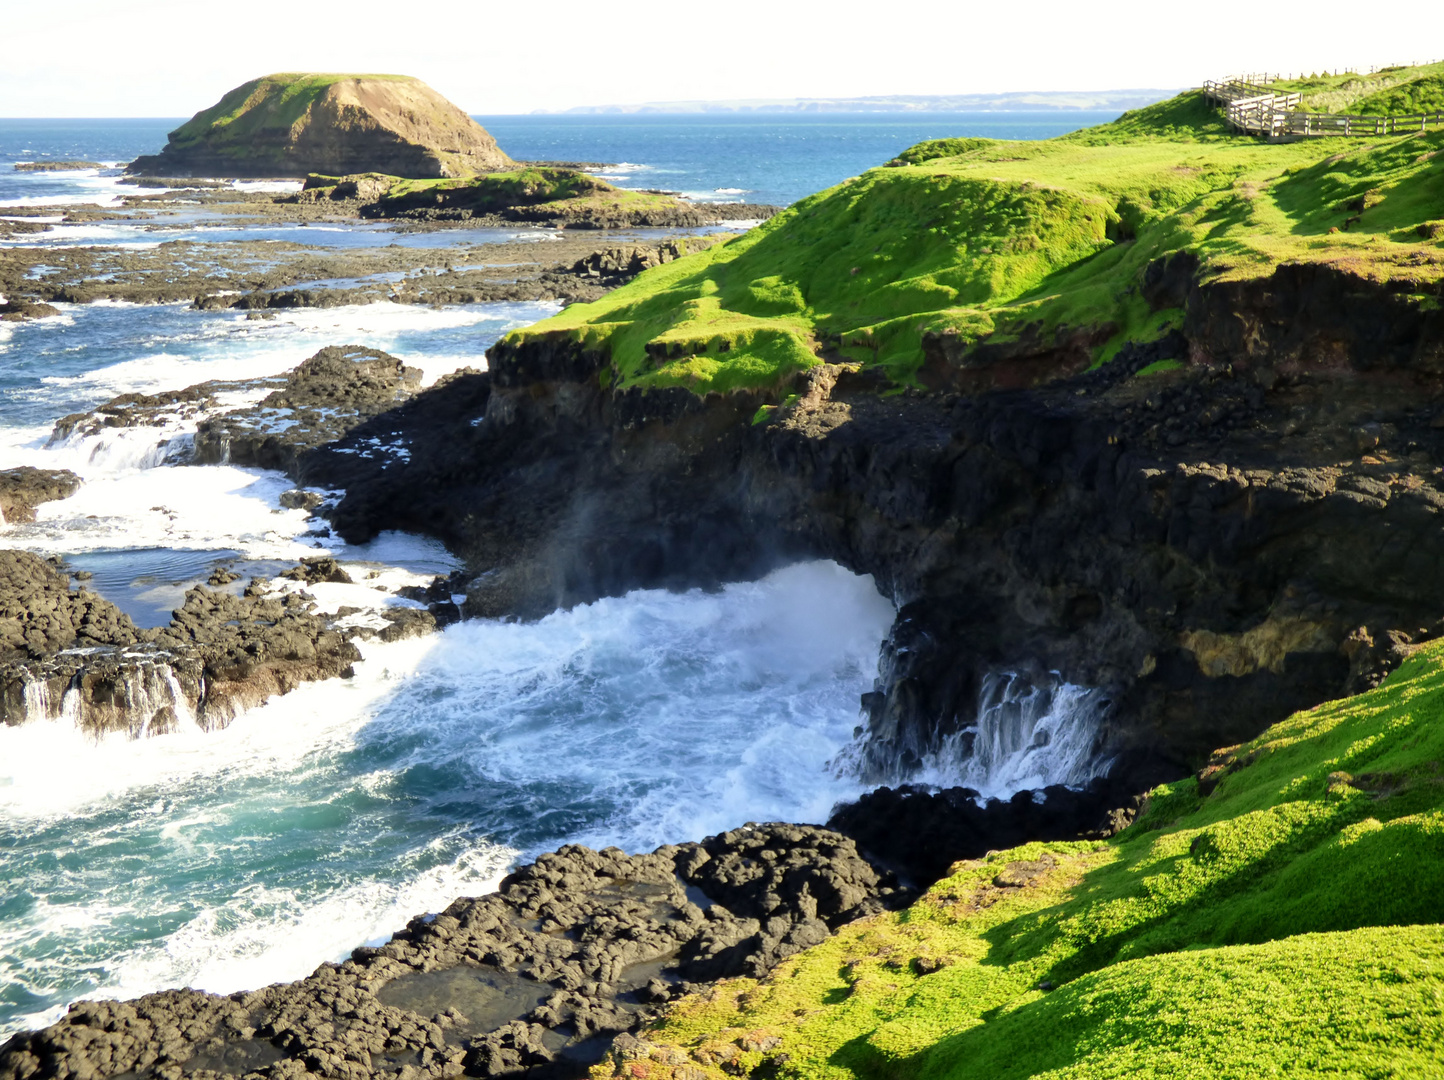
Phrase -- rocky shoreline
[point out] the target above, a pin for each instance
(536, 257)
(1207, 548)
(228, 647)
(534, 980)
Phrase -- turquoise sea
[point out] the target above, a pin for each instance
(327, 818)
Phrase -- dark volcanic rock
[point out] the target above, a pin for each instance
(533, 980)
(322, 400)
(40, 614)
(25, 488)
(220, 654)
(1211, 547)
(919, 833)
(19, 310)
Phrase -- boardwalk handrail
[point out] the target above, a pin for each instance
(1254, 109)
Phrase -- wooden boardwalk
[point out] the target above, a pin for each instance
(1255, 109)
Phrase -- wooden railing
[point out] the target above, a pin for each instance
(1304, 123)
(1254, 109)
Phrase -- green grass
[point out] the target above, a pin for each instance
(1359, 94)
(565, 193)
(1284, 924)
(270, 103)
(1424, 95)
(983, 240)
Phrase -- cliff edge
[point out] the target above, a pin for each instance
(295, 124)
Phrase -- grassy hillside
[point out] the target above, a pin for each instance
(1424, 95)
(270, 103)
(1283, 923)
(974, 240)
(1378, 94)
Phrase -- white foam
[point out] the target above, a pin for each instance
(686, 713)
(189, 507)
(49, 770)
(1027, 736)
(268, 185)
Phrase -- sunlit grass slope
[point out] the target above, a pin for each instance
(989, 240)
(1283, 924)
(272, 102)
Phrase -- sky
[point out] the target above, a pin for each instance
(171, 58)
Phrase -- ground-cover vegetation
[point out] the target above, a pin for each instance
(974, 241)
(565, 192)
(272, 102)
(1386, 92)
(1273, 917)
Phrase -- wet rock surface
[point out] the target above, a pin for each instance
(25, 488)
(919, 832)
(56, 166)
(20, 310)
(534, 980)
(70, 655)
(320, 401)
(524, 261)
(40, 613)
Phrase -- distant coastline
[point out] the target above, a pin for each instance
(1022, 101)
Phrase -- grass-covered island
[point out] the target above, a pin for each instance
(389, 146)
(302, 122)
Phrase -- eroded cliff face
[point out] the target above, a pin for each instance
(1214, 547)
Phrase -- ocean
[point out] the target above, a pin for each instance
(326, 818)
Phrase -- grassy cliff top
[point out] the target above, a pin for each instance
(978, 240)
(1284, 923)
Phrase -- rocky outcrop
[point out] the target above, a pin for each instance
(555, 198)
(56, 166)
(20, 310)
(1212, 547)
(534, 980)
(72, 655)
(919, 833)
(326, 396)
(25, 488)
(40, 613)
(294, 124)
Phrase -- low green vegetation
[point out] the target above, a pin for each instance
(1389, 91)
(1279, 919)
(270, 103)
(965, 241)
(561, 190)
(558, 195)
(1424, 95)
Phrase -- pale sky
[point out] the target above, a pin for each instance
(175, 57)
